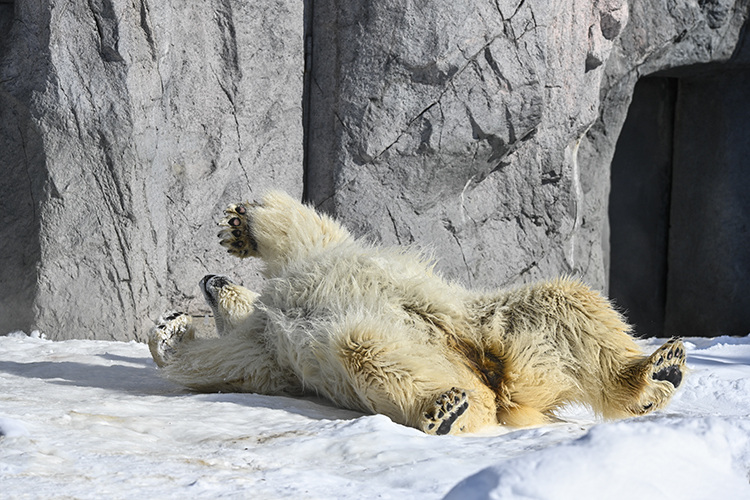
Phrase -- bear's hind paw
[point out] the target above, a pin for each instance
(441, 416)
(236, 235)
(668, 362)
(171, 329)
(664, 371)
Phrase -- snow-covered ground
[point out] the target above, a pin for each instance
(93, 419)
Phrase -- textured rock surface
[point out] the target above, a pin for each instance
(660, 35)
(485, 130)
(482, 130)
(456, 126)
(127, 127)
(704, 288)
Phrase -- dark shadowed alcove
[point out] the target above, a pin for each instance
(680, 204)
(639, 205)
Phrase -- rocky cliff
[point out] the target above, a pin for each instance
(483, 130)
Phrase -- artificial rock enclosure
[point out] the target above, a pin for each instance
(488, 132)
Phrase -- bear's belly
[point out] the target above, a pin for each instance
(308, 347)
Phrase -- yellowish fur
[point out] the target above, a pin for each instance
(375, 329)
(236, 305)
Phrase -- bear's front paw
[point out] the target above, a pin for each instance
(237, 235)
(441, 416)
(171, 329)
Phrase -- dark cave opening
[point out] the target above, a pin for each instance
(680, 205)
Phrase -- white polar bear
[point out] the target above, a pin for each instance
(376, 330)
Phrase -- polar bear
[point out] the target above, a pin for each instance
(379, 331)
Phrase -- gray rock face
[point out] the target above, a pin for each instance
(686, 274)
(485, 130)
(456, 126)
(482, 130)
(127, 128)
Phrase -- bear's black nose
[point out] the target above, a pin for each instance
(205, 279)
(211, 283)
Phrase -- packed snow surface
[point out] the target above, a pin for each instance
(93, 419)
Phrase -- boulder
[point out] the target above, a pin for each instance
(680, 267)
(456, 126)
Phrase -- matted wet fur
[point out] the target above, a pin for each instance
(376, 330)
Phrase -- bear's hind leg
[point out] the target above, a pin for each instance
(522, 416)
(394, 372)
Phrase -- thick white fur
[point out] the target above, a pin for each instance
(375, 329)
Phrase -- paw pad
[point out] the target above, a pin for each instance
(669, 363)
(237, 236)
(439, 418)
(666, 364)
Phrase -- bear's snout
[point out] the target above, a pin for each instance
(211, 284)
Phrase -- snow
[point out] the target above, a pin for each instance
(93, 419)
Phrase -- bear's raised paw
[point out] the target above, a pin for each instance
(237, 236)
(171, 329)
(439, 418)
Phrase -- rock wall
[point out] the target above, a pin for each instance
(688, 265)
(127, 127)
(485, 130)
(482, 130)
(457, 125)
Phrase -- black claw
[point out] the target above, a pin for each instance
(431, 426)
(440, 414)
(661, 360)
(648, 406)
